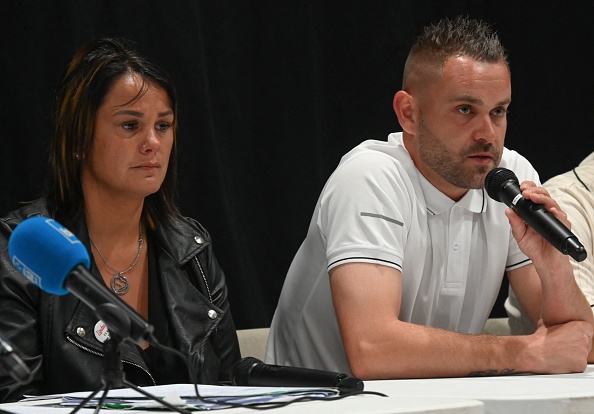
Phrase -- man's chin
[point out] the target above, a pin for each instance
(478, 179)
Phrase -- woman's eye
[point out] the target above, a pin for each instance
(163, 126)
(130, 126)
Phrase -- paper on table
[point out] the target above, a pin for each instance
(184, 395)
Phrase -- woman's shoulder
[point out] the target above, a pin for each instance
(30, 209)
(187, 226)
(182, 234)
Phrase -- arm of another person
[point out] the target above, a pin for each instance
(547, 290)
(578, 203)
(367, 299)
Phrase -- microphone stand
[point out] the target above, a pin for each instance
(113, 377)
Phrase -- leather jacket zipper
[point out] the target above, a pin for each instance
(205, 283)
(204, 278)
(99, 354)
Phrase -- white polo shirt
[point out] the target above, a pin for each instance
(377, 208)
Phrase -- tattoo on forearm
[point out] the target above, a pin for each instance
(492, 372)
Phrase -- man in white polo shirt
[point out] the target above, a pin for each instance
(405, 252)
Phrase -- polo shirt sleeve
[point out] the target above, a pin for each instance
(361, 216)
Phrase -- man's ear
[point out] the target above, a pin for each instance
(404, 106)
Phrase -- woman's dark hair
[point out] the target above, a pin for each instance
(93, 70)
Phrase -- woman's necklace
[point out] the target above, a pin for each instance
(119, 282)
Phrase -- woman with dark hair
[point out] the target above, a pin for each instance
(112, 183)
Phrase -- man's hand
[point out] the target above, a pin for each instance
(561, 348)
(529, 241)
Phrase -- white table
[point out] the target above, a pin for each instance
(516, 394)
(521, 394)
(366, 404)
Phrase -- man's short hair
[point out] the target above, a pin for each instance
(448, 38)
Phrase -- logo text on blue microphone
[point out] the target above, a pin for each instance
(28, 273)
(67, 234)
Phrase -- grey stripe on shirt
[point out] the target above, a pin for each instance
(391, 220)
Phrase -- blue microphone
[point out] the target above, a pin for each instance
(53, 258)
(45, 252)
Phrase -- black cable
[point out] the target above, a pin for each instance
(254, 406)
(101, 400)
(113, 375)
(278, 404)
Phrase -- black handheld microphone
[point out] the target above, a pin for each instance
(12, 364)
(251, 371)
(51, 257)
(503, 185)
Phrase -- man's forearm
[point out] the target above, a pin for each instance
(562, 299)
(416, 351)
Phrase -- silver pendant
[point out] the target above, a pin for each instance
(119, 284)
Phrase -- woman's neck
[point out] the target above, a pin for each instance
(112, 218)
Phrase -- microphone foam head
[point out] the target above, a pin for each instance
(495, 179)
(45, 252)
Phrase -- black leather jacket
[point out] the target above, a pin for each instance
(55, 334)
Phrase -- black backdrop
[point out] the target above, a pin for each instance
(272, 93)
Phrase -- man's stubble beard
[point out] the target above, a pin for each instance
(450, 166)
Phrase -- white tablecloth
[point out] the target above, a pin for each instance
(521, 394)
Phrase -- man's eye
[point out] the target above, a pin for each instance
(499, 111)
(464, 110)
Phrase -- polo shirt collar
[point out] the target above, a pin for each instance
(475, 200)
